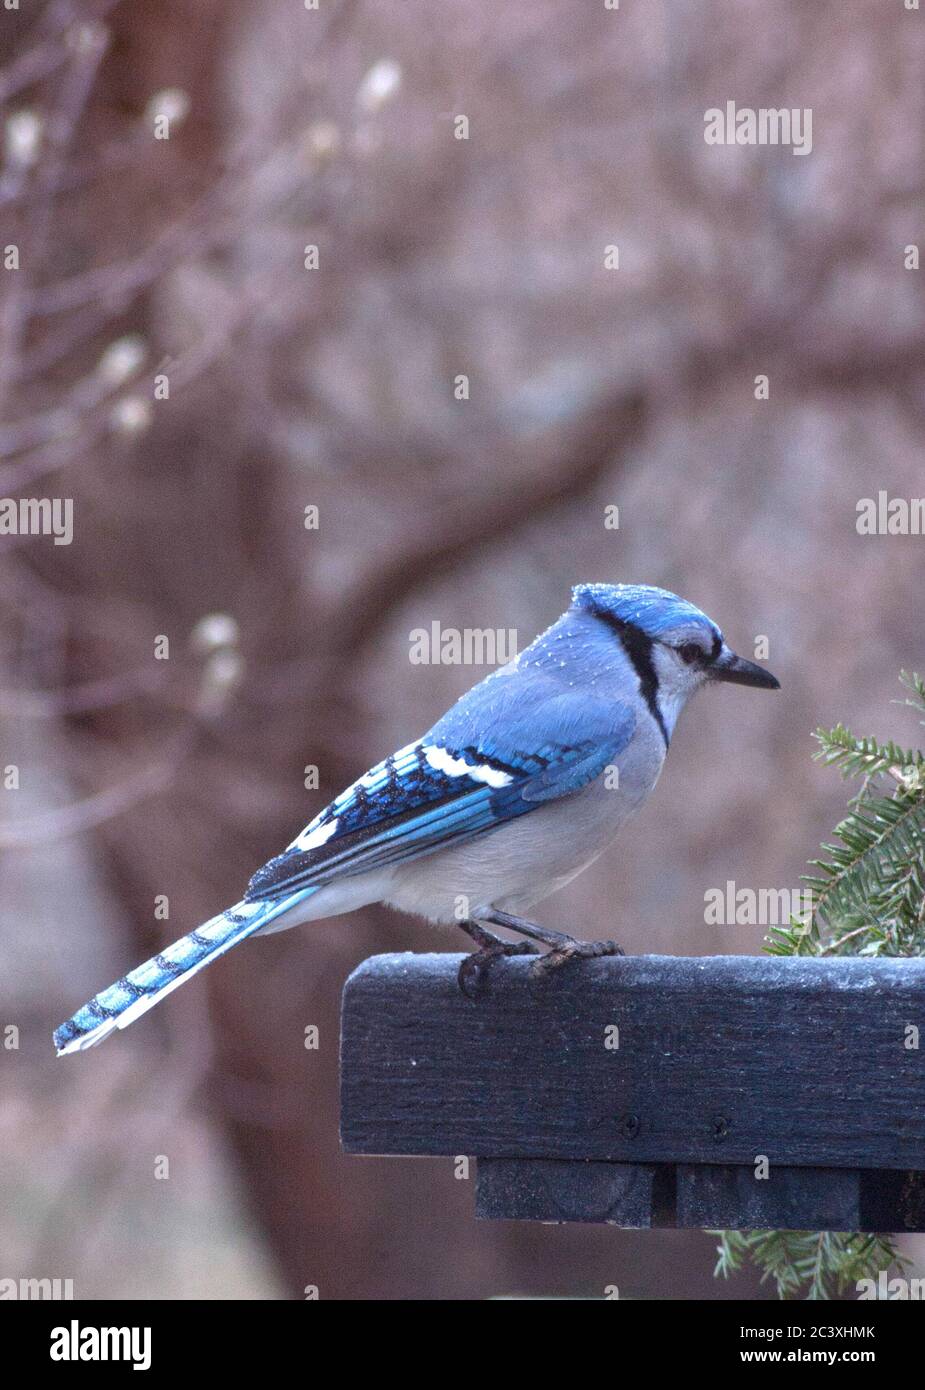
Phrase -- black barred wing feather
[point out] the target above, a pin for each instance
(436, 792)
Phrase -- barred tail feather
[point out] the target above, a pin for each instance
(145, 986)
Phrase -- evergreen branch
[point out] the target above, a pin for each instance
(868, 890)
(840, 748)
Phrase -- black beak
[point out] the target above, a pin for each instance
(729, 667)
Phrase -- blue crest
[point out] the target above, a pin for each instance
(655, 611)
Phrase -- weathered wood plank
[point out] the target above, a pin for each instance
(719, 1059)
(892, 1201)
(703, 1196)
(549, 1189)
(788, 1199)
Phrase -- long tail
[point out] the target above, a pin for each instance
(135, 993)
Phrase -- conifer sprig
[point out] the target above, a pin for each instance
(808, 1264)
(868, 898)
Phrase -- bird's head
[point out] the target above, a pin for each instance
(670, 638)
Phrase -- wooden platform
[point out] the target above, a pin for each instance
(652, 1090)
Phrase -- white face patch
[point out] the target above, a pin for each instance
(676, 682)
(442, 760)
(313, 839)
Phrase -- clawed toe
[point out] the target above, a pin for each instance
(473, 972)
(573, 950)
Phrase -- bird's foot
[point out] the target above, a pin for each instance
(562, 948)
(473, 972)
(571, 950)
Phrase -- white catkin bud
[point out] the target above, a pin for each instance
(22, 137)
(122, 359)
(88, 37)
(222, 674)
(225, 669)
(172, 102)
(132, 415)
(379, 85)
(213, 631)
(322, 141)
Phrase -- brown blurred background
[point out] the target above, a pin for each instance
(143, 258)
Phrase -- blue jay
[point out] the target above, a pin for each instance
(519, 787)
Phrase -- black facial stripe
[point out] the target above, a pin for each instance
(638, 647)
(717, 647)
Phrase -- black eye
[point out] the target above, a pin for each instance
(689, 652)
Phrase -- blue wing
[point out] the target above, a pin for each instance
(537, 744)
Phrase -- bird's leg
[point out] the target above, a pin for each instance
(562, 948)
(473, 969)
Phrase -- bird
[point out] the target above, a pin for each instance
(521, 785)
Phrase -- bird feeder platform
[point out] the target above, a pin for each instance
(651, 1091)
